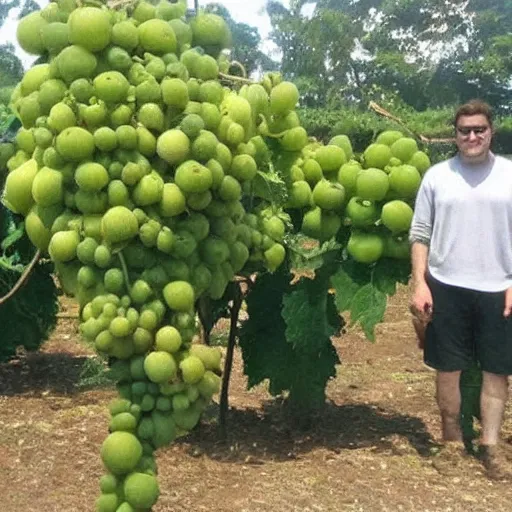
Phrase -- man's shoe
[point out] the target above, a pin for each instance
(495, 462)
(450, 458)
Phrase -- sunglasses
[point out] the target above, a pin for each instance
(477, 130)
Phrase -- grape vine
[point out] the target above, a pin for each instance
(157, 182)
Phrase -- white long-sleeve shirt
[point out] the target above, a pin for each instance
(464, 213)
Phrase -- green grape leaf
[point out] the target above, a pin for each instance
(262, 335)
(346, 282)
(11, 263)
(368, 307)
(270, 186)
(305, 313)
(334, 318)
(283, 161)
(312, 372)
(389, 272)
(301, 364)
(308, 254)
(363, 292)
(29, 316)
(210, 310)
(15, 234)
(9, 128)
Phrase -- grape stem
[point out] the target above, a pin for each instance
(240, 66)
(228, 363)
(119, 3)
(124, 268)
(234, 78)
(22, 280)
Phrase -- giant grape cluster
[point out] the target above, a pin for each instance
(136, 169)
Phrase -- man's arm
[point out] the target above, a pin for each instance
(419, 258)
(419, 237)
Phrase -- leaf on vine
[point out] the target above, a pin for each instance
(368, 307)
(389, 272)
(311, 373)
(210, 310)
(271, 187)
(308, 254)
(262, 336)
(295, 355)
(333, 315)
(10, 263)
(358, 292)
(15, 234)
(345, 288)
(9, 128)
(305, 313)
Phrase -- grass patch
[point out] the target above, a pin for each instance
(95, 374)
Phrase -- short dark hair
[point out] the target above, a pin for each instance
(473, 108)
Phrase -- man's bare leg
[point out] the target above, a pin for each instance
(492, 406)
(449, 401)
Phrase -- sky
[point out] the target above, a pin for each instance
(251, 12)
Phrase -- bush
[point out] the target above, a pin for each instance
(30, 315)
(363, 126)
(5, 95)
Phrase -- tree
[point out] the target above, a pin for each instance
(245, 42)
(5, 8)
(12, 68)
(419, 54)
(26, 7)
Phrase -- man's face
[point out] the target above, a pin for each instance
(473, 136)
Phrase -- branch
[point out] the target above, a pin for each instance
(124, 268)
(23, 278)
(240, 66)
(228, 364)
(234, 78)
(377, 108)
(357, 78)
(119, 3)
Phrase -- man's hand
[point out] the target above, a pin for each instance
(422, 304)
(508, 303)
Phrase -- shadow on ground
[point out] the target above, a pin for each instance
(255, 435)
(54, 372)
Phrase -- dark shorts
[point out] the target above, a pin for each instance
(468, 326)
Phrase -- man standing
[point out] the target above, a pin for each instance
(461, 238)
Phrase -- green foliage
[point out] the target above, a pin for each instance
(5, 118)
(363, 126)
(30, 315)
(28, 6)
(5, 96)
(425, 54)
(5, 8)
(12, 68)
(286, 338)
(304, 311)
(270, 186)
(306, 254)
(362, 291)
(95, 373)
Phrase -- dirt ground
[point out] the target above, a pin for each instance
(370, 450)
